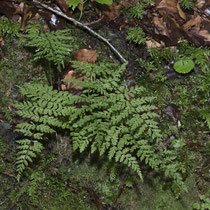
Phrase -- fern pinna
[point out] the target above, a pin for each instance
(106, 117)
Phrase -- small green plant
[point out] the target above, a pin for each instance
(8, 28)
(200, 55)
(205, 114)
(136, 34)
(138, 10)
(54, 46)
(43, 190)
(204, 205)
(186, 4)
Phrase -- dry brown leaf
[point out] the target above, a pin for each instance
(167, 21)
(82, 55)
(200, 3)
(72, 74)
(111, 12)
(204, 33)
(160, 25)
(168, 5)
(85, 55)
(172, 8)
(195, 21)
(181, 13)
(199, 37)
(152, 43)
(129, 3)
(2, 42)
(63, 4)
(9, 9)
(29, 12)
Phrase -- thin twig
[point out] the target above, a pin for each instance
(77, 23)
(94, 22)
(119, 192)
(201, 13)
(94, 196)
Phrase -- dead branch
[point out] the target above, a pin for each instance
(77, 23)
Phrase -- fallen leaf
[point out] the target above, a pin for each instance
(200, 3)
(168, 5)
(160, 25)
(204, 33)
(63, 4)
(199, 37)
(29, 12)
(72, 74)
(82, 55)
(111, 12)
(129, 3)
(85, 55)
(2, 42)
(9, 8)
(181, 13)
(195, 21)
(152, 43)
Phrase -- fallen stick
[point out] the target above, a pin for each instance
(77, 23)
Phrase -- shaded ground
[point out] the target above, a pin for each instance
(66, 175)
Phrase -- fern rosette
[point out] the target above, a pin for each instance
(106, 117)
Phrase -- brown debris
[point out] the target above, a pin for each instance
(29, 12)
(167, 22)
(72, 74)
(2, 42)
(82, 55)
(63, 4)
(111, 12)
(198, 30)
(85, 55)
(9, 8)
(152, 43)
(195, 21)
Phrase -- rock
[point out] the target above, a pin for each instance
(7, 133)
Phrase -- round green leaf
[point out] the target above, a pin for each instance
(184, 66)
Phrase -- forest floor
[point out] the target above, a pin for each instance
(63, 179)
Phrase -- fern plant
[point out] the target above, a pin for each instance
(42, 108)
(53, 46)
(8, 28)
(106, 117)
(186, 4)
(138, 10)
(136, 34)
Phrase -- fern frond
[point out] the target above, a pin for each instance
(28, 150)
(136, 34)
(103, 118)
(54, 46)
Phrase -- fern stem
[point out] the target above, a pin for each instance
(77, 23)
(122, 187)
